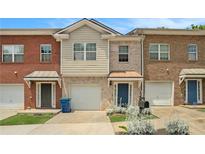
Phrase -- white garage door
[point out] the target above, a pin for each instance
(85, 97)
(158, 93)
(11, 96)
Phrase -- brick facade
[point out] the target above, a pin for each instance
(169, 70)
(31, 63)
(134, 56)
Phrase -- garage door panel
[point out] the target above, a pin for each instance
(11, 96)
(85, 97)
(158, 93)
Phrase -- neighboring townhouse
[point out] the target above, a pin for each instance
(87, 61)
(174, 66)
(29, 69)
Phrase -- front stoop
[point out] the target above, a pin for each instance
(40, 111)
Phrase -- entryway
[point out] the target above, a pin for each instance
(45, 96)
(123, 93)
(193, 91)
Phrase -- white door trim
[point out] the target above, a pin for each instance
(38, 94)
(115, 95)
(199, 101)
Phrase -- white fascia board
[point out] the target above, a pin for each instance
(60, 37)
(125, 79)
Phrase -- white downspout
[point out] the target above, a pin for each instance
(142, 65)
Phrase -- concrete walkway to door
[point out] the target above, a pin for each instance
(77, 123)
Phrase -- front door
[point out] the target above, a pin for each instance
(46, 95)
(192, 91)
(123, 90)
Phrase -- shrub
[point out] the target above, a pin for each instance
(177, 127)
(140, 127)
(118, 110)
(132, 113)
(110, 111)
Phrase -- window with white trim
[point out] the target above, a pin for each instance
(123, 53)
(84, 51)
(159, 52)
(192, 52)
(46, 53)
(13, 53)
(90, 51)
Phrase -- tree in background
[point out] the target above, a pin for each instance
(198, 27)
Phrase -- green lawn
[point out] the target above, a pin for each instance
(23, 119)
(122, 117)
(202, 110)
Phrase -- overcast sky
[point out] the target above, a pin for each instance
(122, 25)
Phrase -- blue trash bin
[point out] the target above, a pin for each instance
(65, 105)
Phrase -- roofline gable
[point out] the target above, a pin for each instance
(93, 23)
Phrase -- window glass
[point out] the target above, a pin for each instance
(164, 48)
(78, 47)
(7, 49)
(7, 58)
(123, 53)
(164, 56)
(13, 53)
(90, 47)
(90, 55)
(153, 47)
(46, 51)
(192, 52)
(79, 56)
(159, 51)
(123, 49)
(154, 56)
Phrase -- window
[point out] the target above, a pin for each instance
(46, 53)
(123, 53)
(13, 53)
(192, 52)
(85, 51)
(90, 51)
(78, 51)
(159, 51)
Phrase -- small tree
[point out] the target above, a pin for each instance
(198, 27)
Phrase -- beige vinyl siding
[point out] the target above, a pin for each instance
(99, 67)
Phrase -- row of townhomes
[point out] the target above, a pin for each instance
(97, 66)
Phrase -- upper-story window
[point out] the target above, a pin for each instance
(123, 53)
(46, 52)
(159, 51)
(85, 51)
(192, 52)
(13, 53)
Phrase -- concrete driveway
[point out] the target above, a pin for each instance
(75, 123)
(194, 118)
(5, 113)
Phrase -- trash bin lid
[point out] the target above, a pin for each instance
(65, 98)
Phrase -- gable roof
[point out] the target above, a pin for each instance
(93, 23)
